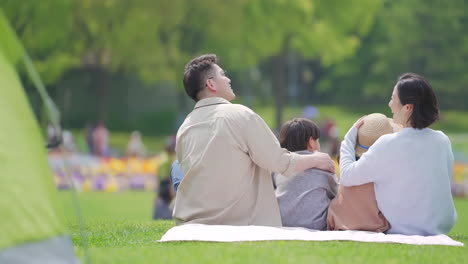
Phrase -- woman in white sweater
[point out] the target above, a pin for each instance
(411, 169)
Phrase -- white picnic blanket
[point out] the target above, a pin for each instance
(225, 233)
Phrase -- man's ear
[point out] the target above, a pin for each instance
(209, 85)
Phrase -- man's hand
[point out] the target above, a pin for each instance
(317, 160)
(323, 162)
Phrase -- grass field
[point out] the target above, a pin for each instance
(120, 230)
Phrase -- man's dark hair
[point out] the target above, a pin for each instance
(196, 72)
(414, 89)
(295, 134)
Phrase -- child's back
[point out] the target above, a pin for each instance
(304, 199)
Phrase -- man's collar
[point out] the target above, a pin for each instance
(211, 101)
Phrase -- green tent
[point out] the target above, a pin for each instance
(32, 230)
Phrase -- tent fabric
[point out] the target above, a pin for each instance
(28, 199)
(9, 42)
(57, 250)
(225, 233)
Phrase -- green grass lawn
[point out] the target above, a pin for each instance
(120, 230)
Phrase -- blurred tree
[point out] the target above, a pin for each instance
(127, 36)
(104, 37)
(152, 41)
(211, 26)
(426, 37)
(45, 35)
(329, 31)
(44, 27)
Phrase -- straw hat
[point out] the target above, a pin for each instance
(375, 125)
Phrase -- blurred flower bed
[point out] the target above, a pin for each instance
(460, 180)
(107, 174)
(92, 173)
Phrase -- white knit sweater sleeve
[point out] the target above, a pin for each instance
(366, 169)
(450, 158)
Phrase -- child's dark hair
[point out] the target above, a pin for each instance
(295, 134)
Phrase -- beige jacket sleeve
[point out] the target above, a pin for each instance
(264, 148)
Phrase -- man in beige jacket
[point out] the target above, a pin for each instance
(227, 153)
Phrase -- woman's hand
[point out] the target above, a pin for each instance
(359, 123)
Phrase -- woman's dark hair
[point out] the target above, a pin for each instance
(295, 134)
(414, 89)
(196, 72)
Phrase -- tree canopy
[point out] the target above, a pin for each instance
(356, 49)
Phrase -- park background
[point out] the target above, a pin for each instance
(121, 62)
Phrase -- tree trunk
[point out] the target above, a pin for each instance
(310, 94)
(279, 84)
(101, 77)
(181, 107)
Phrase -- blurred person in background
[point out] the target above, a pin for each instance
(163, 203)
(68, 141)
(176, 175)
(411, 169)
(100, 140)
(89, 129)
(330, 136)
(135, 146)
